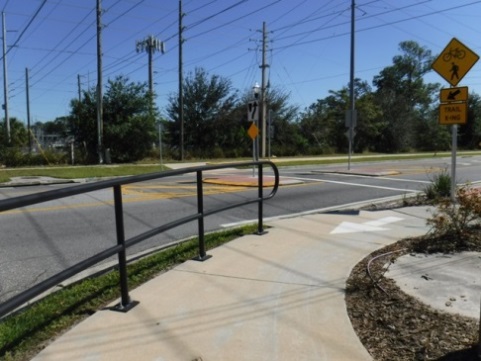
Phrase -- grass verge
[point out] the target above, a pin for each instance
(25, 333)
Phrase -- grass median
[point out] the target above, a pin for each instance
(100, 171)
(24, 333)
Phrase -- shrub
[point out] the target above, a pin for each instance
(456, 220)
(16, 157)
(440, 186)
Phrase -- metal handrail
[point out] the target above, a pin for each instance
(122, 244)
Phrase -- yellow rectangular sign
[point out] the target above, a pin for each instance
(450, 95)
(455, 113)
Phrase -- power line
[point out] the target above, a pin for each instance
(28, 25)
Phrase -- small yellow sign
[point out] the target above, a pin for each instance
(454, 62)
(253, 131)
(450, 95)
(454, 113)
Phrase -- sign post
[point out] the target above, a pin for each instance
(453, 64)
(253, 131)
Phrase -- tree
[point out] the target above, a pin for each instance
(287, 139)
(470, 133)
(58, 126)
(208, 105)
(314, 127)
(128, 123)
(403, 96)
(11, 154)
(323, 124)
(429, 135)
(18, 134)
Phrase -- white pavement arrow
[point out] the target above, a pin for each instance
(370, 226)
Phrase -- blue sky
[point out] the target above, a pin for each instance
(308, 44)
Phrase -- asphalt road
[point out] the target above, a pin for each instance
(45, 239)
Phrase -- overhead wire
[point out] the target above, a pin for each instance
(118, 17)
(26, 27)
(375, 26)
(128, 62)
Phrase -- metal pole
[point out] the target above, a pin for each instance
(260, 225)
(125, 301)
(200, 210)
(160, 142)
(253, 157)
(479, 338)
(454, 131)
(269, 134)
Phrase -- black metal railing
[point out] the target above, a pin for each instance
(122, 244)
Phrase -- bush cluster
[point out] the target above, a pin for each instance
(15, 157)
(458, 220)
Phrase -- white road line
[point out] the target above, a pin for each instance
(373, 177)
(366, 176)
(352, 205)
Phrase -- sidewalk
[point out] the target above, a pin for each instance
(279, 296)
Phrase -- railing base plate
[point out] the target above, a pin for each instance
(261, 233)
(124, 308)
(202, 259)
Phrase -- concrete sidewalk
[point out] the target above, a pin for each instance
(279, 296)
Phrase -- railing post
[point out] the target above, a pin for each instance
(200, 210)
(260, 185)
(125, 302)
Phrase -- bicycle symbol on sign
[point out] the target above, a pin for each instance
(455, 53)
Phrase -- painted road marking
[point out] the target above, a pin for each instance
(132, 194)
(370, 226)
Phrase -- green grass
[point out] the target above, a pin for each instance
(358, 158)
(23, 334)
(71, 172)
(79, 171)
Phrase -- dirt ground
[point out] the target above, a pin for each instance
(395, 326)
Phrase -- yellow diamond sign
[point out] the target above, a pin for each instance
(454, 62)
(253, 131)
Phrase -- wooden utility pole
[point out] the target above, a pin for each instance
(27, 91)
(181, 82)
(79, 86)
(5, 82)
(351, 118)
(262, 113)
(100, 126)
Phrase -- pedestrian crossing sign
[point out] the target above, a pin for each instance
(454, 62)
